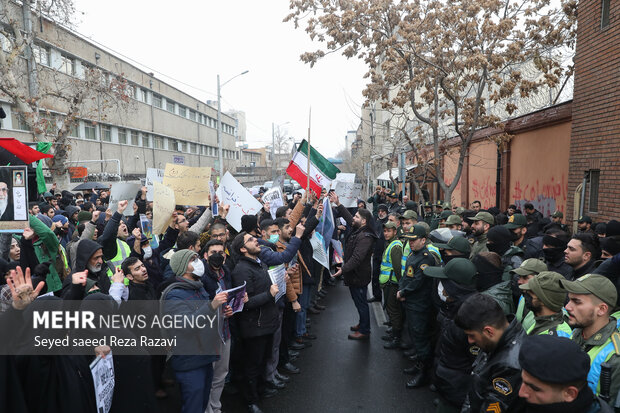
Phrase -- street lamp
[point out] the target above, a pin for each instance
(273, 147)
(219, 120)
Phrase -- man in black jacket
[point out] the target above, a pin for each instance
(259, 318)
(496, 375)
(356, 268)
(582, 252)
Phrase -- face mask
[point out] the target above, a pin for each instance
(148, 252)
(199, 268)
(440, 292)
(553, 254)
(216, 260)
(529, 303)
(274, 238)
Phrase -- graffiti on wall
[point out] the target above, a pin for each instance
(547, 197)
(484, 191)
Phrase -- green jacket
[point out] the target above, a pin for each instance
(479, 246)
(503, 295)
(553, 324)
(46, 250)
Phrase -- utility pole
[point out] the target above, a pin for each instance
(219, 129)
(273, 151)
(31, 64)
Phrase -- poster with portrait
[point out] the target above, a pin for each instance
(13, 199)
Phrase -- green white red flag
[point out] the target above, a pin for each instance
(322, 171)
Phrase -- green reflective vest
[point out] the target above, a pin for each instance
(406, 252)
(122, 252)
(387, 269)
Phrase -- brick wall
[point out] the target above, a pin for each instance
(595, 142)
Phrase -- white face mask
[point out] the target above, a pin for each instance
(148, 252)
(199, 268)
(440, 290)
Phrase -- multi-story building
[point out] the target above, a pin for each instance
(160, 123)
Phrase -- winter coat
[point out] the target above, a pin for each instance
(85, 249)
(260, 314)
(210, 279)
(358, 249)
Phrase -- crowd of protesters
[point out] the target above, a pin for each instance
(500, 311)
(497, 311)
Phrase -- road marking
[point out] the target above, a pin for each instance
(377, 309)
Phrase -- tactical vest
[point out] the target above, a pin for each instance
(435, 253)
(598, 355)
(403, 260)
(122, 251)
(387, 269)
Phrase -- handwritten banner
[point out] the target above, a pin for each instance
(153, 175)
(163, 207)
(241, 202)
(123, 192)
(190, 184)
(348, 192)
(275, 199)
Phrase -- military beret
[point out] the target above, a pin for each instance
(553, 359)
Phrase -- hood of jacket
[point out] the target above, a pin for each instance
(70, 210)
(85, 249)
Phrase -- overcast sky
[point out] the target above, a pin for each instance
(193, 41)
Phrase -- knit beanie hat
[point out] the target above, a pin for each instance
(84, 216)
(180, 260)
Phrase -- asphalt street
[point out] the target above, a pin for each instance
(337, 374)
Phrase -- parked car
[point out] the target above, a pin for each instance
(288, 186)
(268, 185)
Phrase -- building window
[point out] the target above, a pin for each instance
(158, 142)
(122, 136)
(182, 111)
(134, 138)
(605, 4)
(193, 148)
(146, 140)
(157, 101)
(595, 176)
(192, 115)
(90, 132)
(67, 65)
(169, 106)
(42, 54)
(74, 131)
(106, 134)
(18, 121)
(143, 96)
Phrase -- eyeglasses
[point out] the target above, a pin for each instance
(222, 235)
(249, 240)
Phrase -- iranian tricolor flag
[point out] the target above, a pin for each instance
(322, 171)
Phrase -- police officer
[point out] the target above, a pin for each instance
(434, 224)
(416, 290)
(557, 218)
(554, 377)
(393, 204)
(482, 222)
(545, 299)
(409, 219)
(389, 277)
(443, 217)
(528, 270)
(428, 212)
(591, 299)
(584, 224)
(517, 224)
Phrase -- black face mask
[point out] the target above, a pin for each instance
(529, 303)
(553, 254)
(446, 258)
(216, 260)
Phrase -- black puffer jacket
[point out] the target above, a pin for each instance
(358, 249)
(496, 376)
(260, 314)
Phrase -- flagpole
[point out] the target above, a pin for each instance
(309, 123)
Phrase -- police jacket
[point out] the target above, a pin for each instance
(496, 376)
(358, 249)
(260, 314)
(413, 281)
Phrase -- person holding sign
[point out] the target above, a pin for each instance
(259, 319)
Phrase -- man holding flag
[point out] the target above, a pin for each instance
(356, 269)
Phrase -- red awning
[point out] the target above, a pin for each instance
(22, 151)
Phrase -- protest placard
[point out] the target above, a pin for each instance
(241, 202)
(278, 277)
(348, 192)
(275, 199)
(102, 370)
(147, 230)
(190, 184)
(163, 207)
(123, 192)
(214, 207)
(318, 250)
(153, 175)
(235, 297)
(13, 199)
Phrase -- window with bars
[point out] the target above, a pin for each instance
(595, 176)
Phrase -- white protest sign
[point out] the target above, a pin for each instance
(278, 277)
(241, 202)
(123, 192)
(153, 175)
(348, 192)
(102, 370)
(318, 250)
(275, 199)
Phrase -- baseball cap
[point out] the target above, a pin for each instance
(460, 270)
(415, 232)
(594, 284)
(445, 214)
(454, 220)
(460, 210)
(428, 204)
(409, 214)
(516, 221)
(446, 205)
(530, 266)
(553, 359)
(547, 288)
(390, 224)
(484, 216)
(459, 244)
(392, 195)
(557, 214)
(439, 203)
(584, 218)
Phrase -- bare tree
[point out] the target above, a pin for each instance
(445, 61)
(31, 83)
